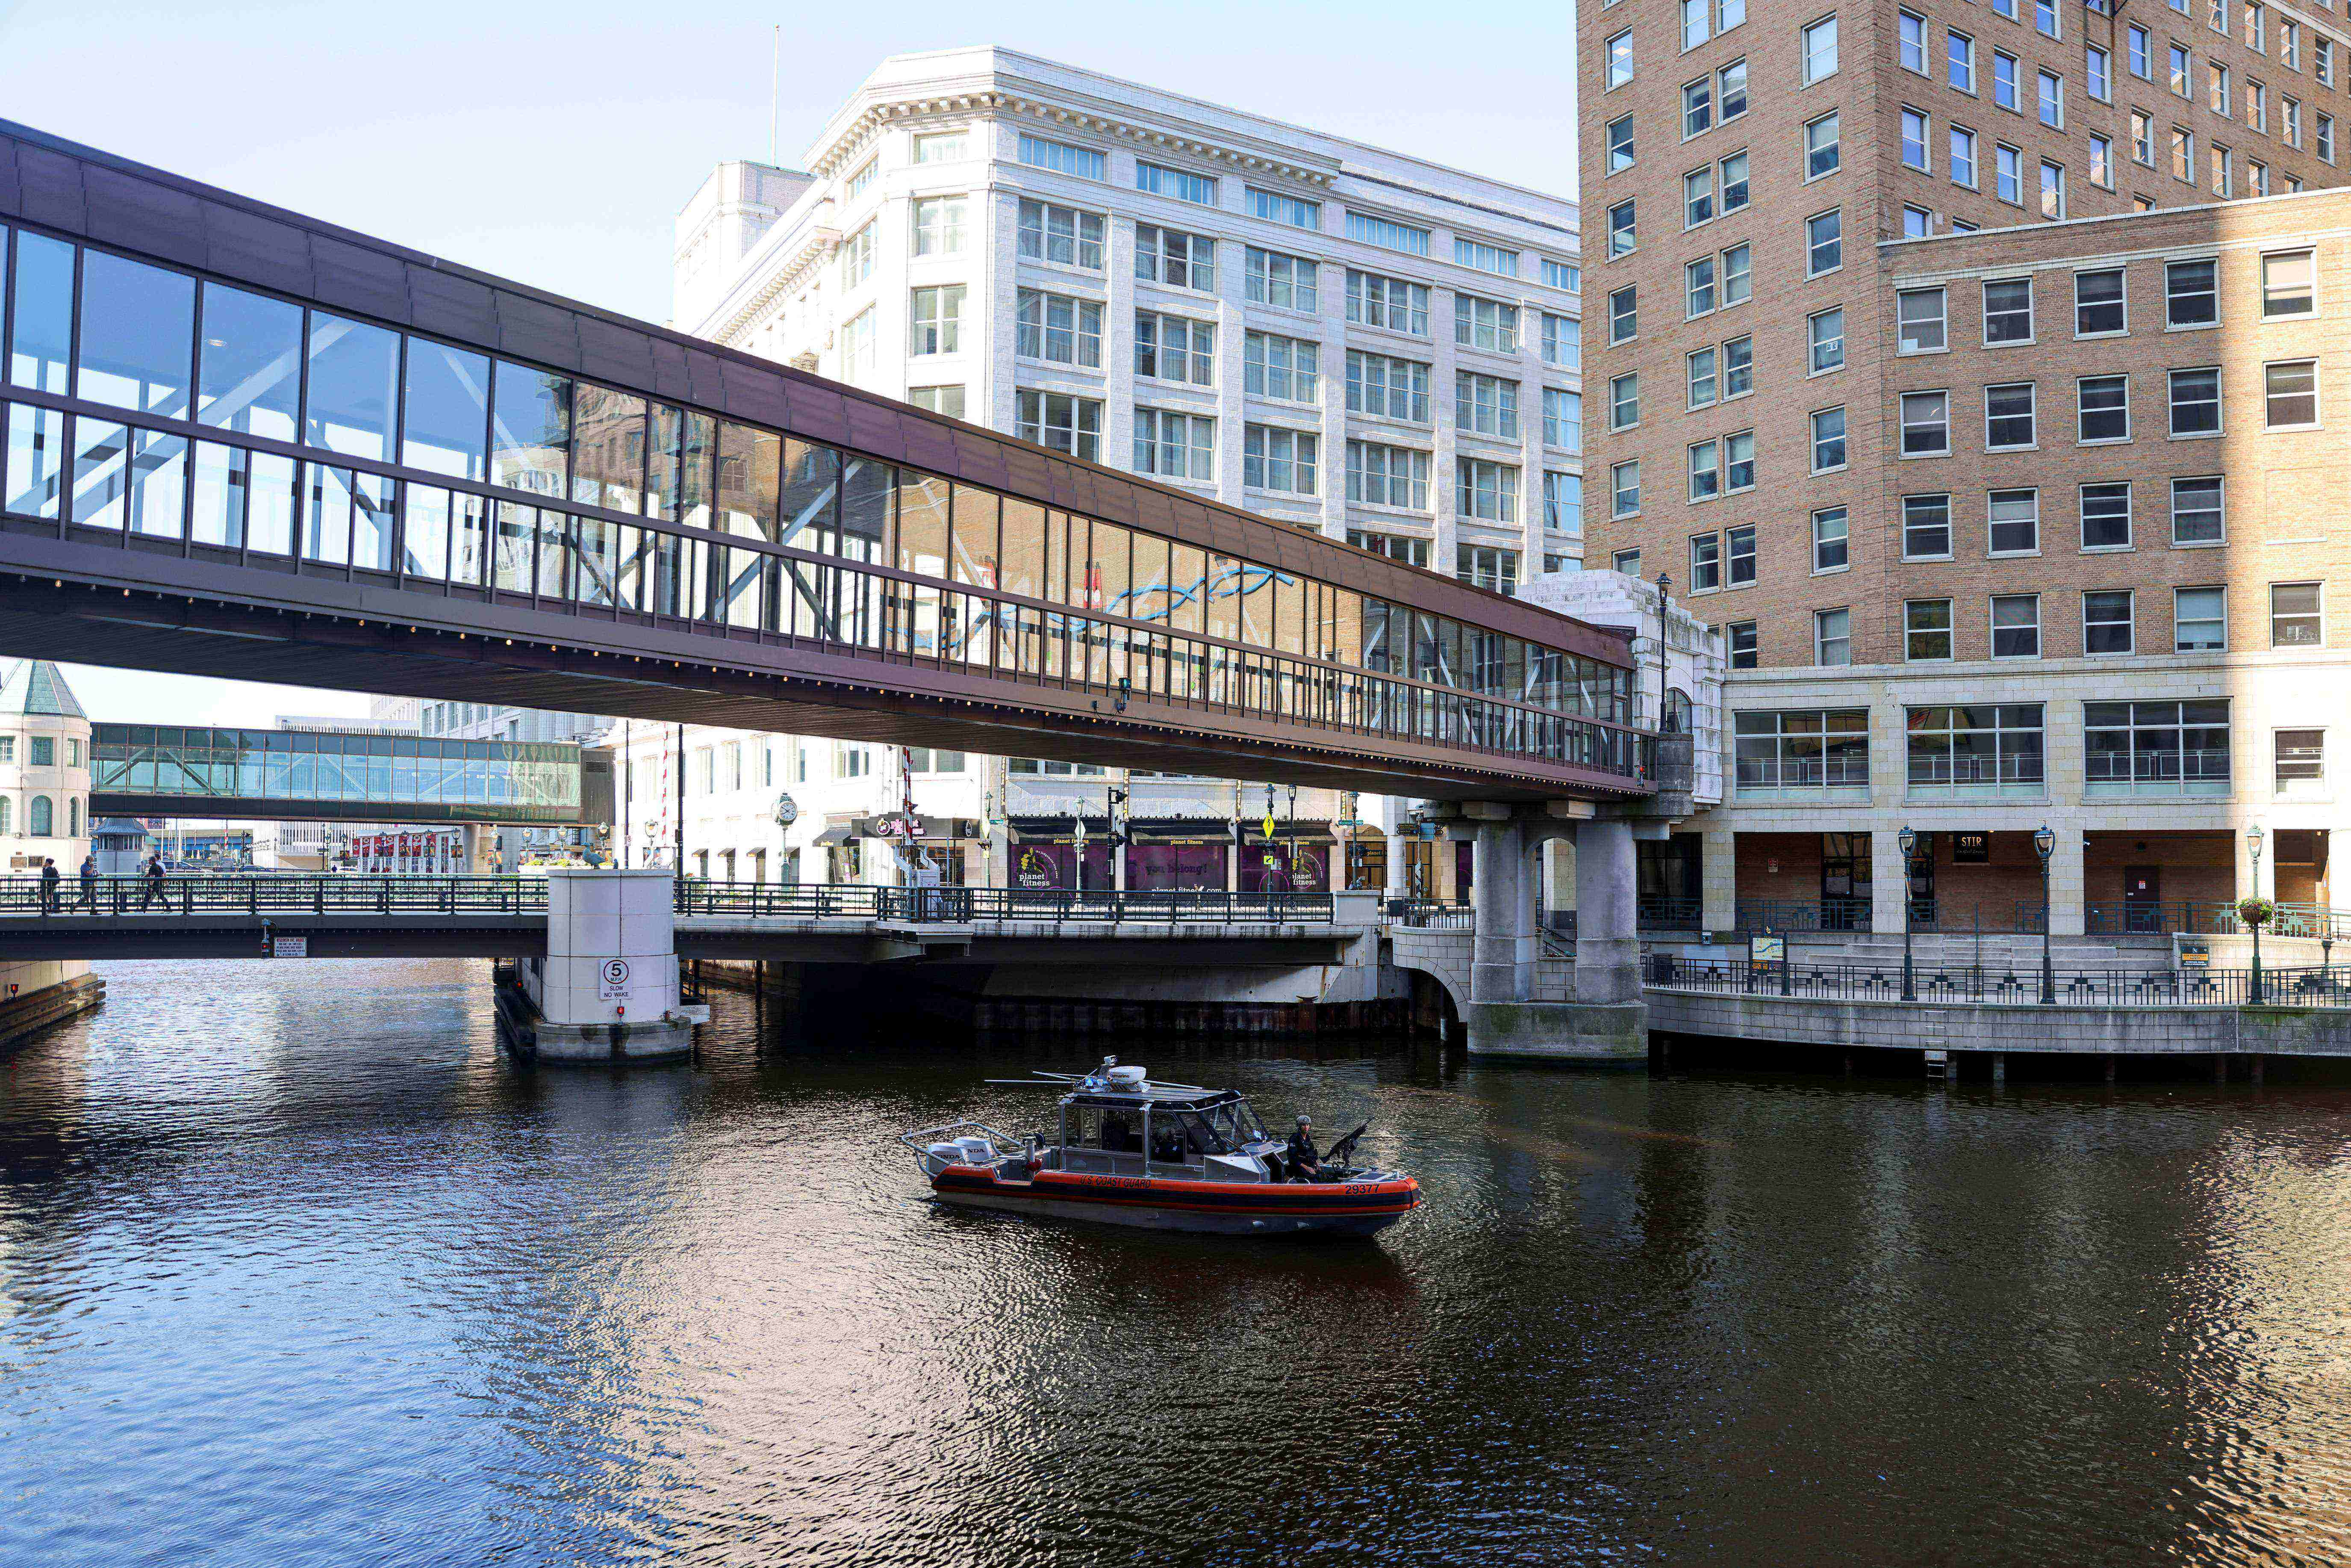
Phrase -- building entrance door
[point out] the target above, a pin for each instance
(1922, 883)
(2142, 899)
(1844, 882)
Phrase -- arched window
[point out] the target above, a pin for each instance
(73, 818)
(1678, 711)
(38, 817)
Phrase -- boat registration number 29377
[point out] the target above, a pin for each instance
(1136, 1184)
(1362, 1189)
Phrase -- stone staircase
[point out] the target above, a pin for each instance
(2004, 953)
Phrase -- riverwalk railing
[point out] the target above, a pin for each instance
(2313, 986)
(1431, 915)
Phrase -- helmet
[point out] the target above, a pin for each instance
(1305, 1121)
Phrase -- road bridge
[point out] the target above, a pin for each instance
(243, 443)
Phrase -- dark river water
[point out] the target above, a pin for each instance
(295, 1268)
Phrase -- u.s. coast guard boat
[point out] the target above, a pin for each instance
(1168, 1156)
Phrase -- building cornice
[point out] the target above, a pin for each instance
(815, 248)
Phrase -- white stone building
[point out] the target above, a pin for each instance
(44, 770)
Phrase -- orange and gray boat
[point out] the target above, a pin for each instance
(1165, 1156)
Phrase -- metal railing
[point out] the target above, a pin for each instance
(280, 893)
(2199, 917)
(1431, 915)
(961, 905)
(2313, 986)
(1802, 915)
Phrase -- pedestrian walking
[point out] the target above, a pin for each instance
(50, 881)
(154, 883)
(90, 884)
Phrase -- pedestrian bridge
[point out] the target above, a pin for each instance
(246, 444)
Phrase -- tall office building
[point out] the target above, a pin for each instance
(1347, 339)
(1965, 364)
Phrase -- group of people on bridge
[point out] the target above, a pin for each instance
(53, 884)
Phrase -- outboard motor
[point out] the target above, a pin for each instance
(975, 1150)
(939, 1156)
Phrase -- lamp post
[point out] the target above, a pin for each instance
(1909, 841)
(2045, 844)
(2254, 843)
(1665, 593)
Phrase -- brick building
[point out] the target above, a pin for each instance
(1967, 365)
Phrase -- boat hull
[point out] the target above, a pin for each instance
(1218, 1208)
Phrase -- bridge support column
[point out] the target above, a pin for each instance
(1607, 930)
(1608, 1022)
(607, 989)
(1398, 875)
(1494, 947)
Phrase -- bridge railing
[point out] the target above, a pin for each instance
(274, 893)
(1731, 974)
(957, 906)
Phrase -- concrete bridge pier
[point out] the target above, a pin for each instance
(1608, 1020)
(607, 989)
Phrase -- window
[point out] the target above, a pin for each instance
(2257, 106)
(2323, 60)
(2197, 511)
(2253, 39)
(2196, 402)
(2007, 416)
(2140, 66)
(1706, 563)
(1738, 368)
(2290, 121)
(2052, 96)
(1963, 156)
(1704, 480)
(2008, 311)
(2199, 619)
(2003, 81)
(1387, 476)
(1286, 282)
(1391, 304)
(1484, 324)
(1914, 140)
(945, 147)
(2016, 626)
(1697, 287)
(2013, 522)
(1913, 33)
(1288, 369)
(1628, 561)
(1738, 549)
(1832, 637)
(2191, 293)
(2099, 72)
(1987, 747)
(1926, 423)
(1623, 315)
(1731, 90)
(1562, 419)
(1736, 283)
(1828, 439)
(1175, 349)
(1700, 365)
(1275, 207)
(2102, 162)
(2301, 761)
(937, 321)
(2216, 84)
(857, 257)
(1620, 61)
(1624, 401)
(1738, 461)
(2294, 620)
(2103, 407)
(1059, 330)
(1064, 158)
(1061, 235)
(938, 226)
(2099, 303)
(2220, 169)
(1926, 628)
(1740, 637)
(2182, 73)
(1485, 405)
(1820, 49)
(1563, 504)
(1919, 320)
(1176, 259)
(2052, 190)
(2289, 285)
(2257, 177)
(2008, 173)
(1698, 107)
(1070, 425)
(44, 752)
(1624, 490)
(2107, 517)
(1273, 458)
(2044, 17)
(1926, 528)
(1623, 229)
(2107, 623)
(1388, 236)
(2155, 749)
(1486, 490)
(2292, 387)
(1828, 340)
(1619, 141)
(1389, 388)
(1486, 257)
(1698, 196)
(1175, 446)
(947, 401)
(2290, 44)
(857, 345)
(1486, 567)
(1825, 242)
(1562, 341)
(2142, 139)
(1830, 541)
(1960, 61)
(1804, 750)
(862, 181)
(1821, 152)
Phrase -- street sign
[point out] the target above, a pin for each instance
(289, 947)
(612, 981)
(1768, 950)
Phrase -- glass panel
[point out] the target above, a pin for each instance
(599, 564)
(663, 469)
(326, 514)
(102, 482)
(1256, 606)
(1290, 605)
(530, 435)
(811, 478)
(1344, 641)
(469, 538)
(424, 534)
(448, 412)
(1150, 578)
(743, 573)
(1022, 571)
(694, 477)
(1223, 598)
(922, 524)
(510, 564)
(159, 484)
(1057, 554)
(1188, 568)
(371, 523)
(37, 451)
(634, 548)
(1109, 558)
(973, 558)
(270, 504)
(554, 553)
(354, 377)
(747, 476)
(608, 466)
(219, 517)
(44, 317)
(250, 375)
(865, 509)
(138, 335)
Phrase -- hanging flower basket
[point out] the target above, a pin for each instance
(2255, 911)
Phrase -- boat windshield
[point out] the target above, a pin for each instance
(1241, 1123)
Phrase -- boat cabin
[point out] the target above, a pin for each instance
(1176, 1133)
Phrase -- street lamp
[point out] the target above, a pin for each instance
(2254, 843)
(1665, 593)
(2045, 844)
(1909, 841)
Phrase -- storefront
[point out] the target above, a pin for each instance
(1047, 857)
(1297, 859)
(1177, 857)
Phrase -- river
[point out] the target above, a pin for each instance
(296, 1268)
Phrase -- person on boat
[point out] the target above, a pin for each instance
(1305, 1163)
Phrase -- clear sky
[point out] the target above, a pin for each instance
(556, 143)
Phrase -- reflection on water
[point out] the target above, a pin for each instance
(295, 1269)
